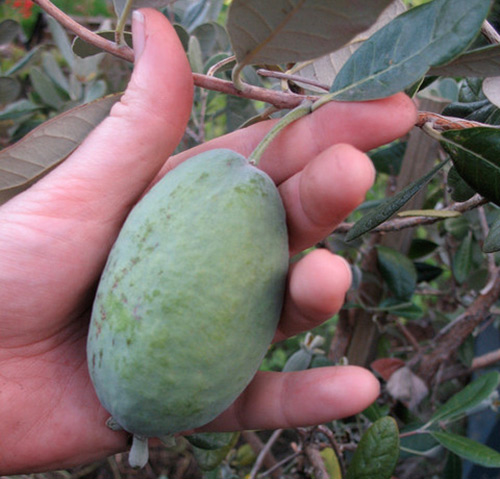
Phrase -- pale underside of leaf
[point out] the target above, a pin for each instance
(480, 63)
(25, 162)
(323, 70)
(491, 89)
(295, 30)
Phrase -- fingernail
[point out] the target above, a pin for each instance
(138, 34)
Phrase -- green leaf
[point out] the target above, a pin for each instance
(23, 61)
(211, 440)
(10, 89)
(459, 189)
(23, 163)
(83, 49)
(475, 152)
(213, 39)
(62, 41)
(377, 452)
(397, 271)
(492, 241)
(402, 52)
(401, 308)
(427, 272)
(298, 361)
(194, 55)
(295, 30)
(468, 398)
(472, 104)
(18, 109)
(468, 449)
(46, 89)
(9, 29)
(453, 467)
(209, 459)
(331, 462)
(481, 63)
(420, 248)
(390, 205)
(462, 260)
(389, 159)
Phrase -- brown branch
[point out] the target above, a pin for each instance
(281, 100)
(444, 123)
(447, 344)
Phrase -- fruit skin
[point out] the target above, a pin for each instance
(190, 297)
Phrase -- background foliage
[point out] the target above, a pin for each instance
(423, 311)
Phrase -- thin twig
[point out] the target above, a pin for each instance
(280, 463)
(295, 78)
(490, 33)
(263, 453)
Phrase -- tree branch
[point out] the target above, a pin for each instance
(401, 223)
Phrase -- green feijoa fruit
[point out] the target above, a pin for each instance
(190, 296)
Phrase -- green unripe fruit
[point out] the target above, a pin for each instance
(190, 297)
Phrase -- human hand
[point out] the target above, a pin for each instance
(55, 237)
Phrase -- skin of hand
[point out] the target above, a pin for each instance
(55, 237)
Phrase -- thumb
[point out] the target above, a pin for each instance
(107, 173)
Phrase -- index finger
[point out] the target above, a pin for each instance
(365, 125)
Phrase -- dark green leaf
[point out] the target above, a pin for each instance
(211, 440)
(83, 49)
(462, 260)
(468, 449)
(294, 30)
(417, 444)
(459, 189)
(390, 205)
(375, 411)
(402, 52)
(468, 398)
(389, 159)
(453, 467)
(400, 308)
(492, 241)
(475, 152)
(472, 104)
(183, 35)
(10, 89)
(421, 247)
(397, 271)
(23, 163)
(209, 459)
(9, 29)
(427, 272)
(377, 452)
